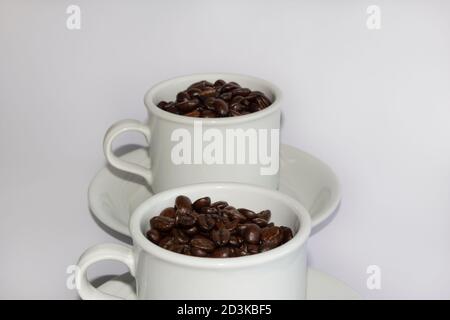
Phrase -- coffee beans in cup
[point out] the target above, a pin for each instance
(220, 99)
(215, 229)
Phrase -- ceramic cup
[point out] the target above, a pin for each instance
(186, 150)
(279, 273)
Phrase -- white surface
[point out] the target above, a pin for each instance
(374, 104)
(320, 286)
(114, 195)
(158, 271)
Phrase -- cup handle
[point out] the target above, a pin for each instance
(114, 131)
(99, 253)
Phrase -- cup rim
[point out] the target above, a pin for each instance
(153, 108)
(299, 239)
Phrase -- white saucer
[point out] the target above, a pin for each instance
(320, 287)
(113, 194)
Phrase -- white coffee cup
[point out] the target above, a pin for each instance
(256, 135)
(279, 273)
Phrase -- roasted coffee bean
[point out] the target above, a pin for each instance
(252, 233)
(182, 96)
(231, 225)
(187, 250)
(178, 248)
(153, 235)
(219, 204)
(245, 102)
(236, 107)
(185, 220)
(219, 83)
(194, 102)
(266, 100)
(226, 96)
(269, 232)
(220, 236)
(260, 222)
(241, 251)
(162, 223)
(265, 247)
(220, 223)
(194, 114)
(193, 92)
(201, 203)
(222, 252)
(241, 229)
(191, 231)
(221, 107)
(162, 104)
(203, 243)
(236, 240)
(227, 209)
(253, 248)
(170, 107)
(168, 212)
(262, 103)
(206, 222)
(230, 86)
(187, 105)
(208, 92)
(244, 246)
(195, 214)
(234, 214)
(241, 92)
(183, 205)
(287, 234)
(208, 103)
(201, 84)
(167, 242)
(209, 210)
(265, 214)
(253, 95)
(180, 236)
(236, 99)
(249, 214)
(271, 237)
(198, 252)
(254, 107)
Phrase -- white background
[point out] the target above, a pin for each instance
(373, 104)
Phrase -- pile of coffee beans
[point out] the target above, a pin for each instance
(217, 230)
(220, 99)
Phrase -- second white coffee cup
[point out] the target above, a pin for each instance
(185, 150)
(279, 273)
